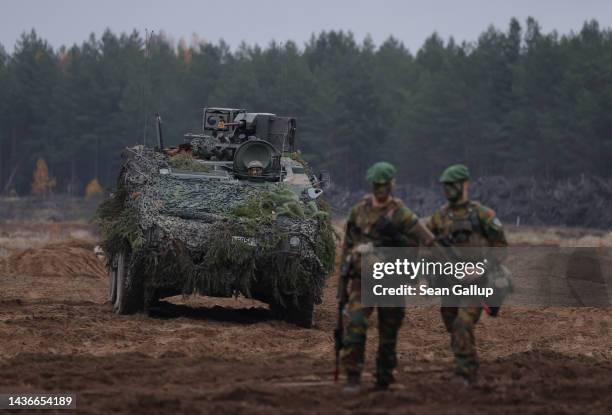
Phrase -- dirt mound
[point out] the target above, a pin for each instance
(17, 236)
(63, 259)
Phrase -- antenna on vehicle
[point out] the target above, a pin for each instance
(280, 161)
(146, 79)
(283, 75)
(160, 138)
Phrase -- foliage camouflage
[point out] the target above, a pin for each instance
(184, 161)
(181, 234)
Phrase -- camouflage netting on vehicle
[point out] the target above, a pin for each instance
(218, 238)
(184, 161)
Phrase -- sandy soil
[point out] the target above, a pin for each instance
(199, 355)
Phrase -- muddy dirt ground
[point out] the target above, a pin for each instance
(200, 356)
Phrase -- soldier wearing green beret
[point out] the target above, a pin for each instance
(381, 220)
(464, 223)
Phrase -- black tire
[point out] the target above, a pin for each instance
(302, 315)
(129, 296)
(112, 285)
(152, 303)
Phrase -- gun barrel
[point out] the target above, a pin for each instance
(160, 138)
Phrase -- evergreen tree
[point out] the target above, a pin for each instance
(513, 102)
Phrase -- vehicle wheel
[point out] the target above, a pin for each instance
(112, 285)
(129, 296)
(151, 303)
(301, 315)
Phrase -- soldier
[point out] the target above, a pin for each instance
(464, 223)
(255, 168)
(382, 220)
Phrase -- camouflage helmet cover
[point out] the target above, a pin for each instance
(381, 172)
(455, 173)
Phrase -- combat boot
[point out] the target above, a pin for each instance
(383, 381)
(466, 379)
(353, 383)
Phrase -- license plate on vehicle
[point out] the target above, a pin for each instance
(245, 240)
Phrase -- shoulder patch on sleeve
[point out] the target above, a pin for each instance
(488, 217)
(496, 222)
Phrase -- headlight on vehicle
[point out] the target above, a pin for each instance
(294, 243)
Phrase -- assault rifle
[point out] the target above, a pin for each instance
(342, 296)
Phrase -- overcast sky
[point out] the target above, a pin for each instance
(64, 22)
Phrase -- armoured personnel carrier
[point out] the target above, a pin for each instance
(231, 211)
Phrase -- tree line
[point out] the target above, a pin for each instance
(515, 102)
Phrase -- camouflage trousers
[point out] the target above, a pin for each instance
(356, 318)
(460, 324)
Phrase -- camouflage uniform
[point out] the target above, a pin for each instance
(467, 224)
(360, 229)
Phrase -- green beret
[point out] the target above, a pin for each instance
(455, 173)
(381, 172)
